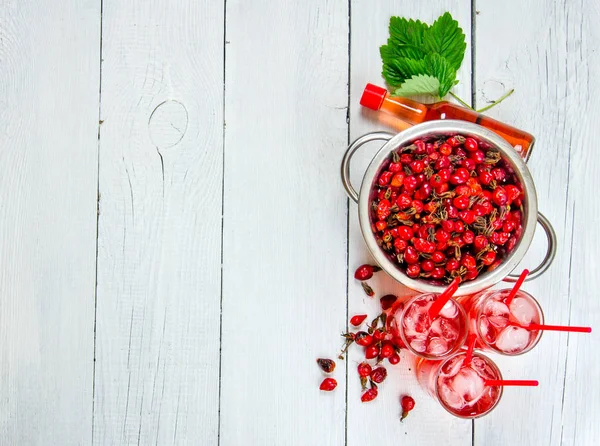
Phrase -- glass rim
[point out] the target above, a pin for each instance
(494, 367)
(459, 342)
(490, 347)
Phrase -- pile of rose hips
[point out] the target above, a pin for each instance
(446, 208)
(377, 345)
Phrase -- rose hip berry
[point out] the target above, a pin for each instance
(387, 350)
(372, 351)
(364, 370)
(394, 359)
(387, 301)
(363, 338)
(358, 319)
(378, 375)
(328, 384)
(446, 207)
(365, 272)
(408, 404)
(327, 365)
(369, 395)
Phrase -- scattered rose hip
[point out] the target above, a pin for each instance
(328, 384)
(358, 319)
(378, 375)
(408, 404)
(446, 208)
(327, 365)
(365, 272)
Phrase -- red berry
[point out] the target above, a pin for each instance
(474, 186)
(327, 365)
(379, 374)
(460, 152)
(469, 164)
(468, 237)
(478, 156)
(459, 226)
(463, 190)
(509, 226)
(452, 211)
(405, 232)
(438, 257)
(447, 225)
(398, 179)
(358, 319)
(410, 183)
(387, 301)
(394, 359)
(363, 338)
(364, 369)
(378, 335)
(369, 395)
(365, 272)
(400, 245)
(499, 196)
(417, 205)
(460, 176)
(442, 235)
(413, 270)
(406, 158)
(408, 404)
(441, 188)
(513, 192)
(427, 265)
(442, 163)
(446, 149)
(423, 245)
(468, 261)
(486, 177)
(480, 242)
(471, 274)
(499, 174)
(417, 166)
(430, 207)
(452, 265)
(471, 145)
(381, 225)
(425, 191)
(395, 167)
(385, 177)
(488, 258)
(461, 202)
(411, 255)
(403, 201)
(438, 273)
(383, 209)
(421, 147)
(372, 351)
(467, 216)
(453, 141)
(328, 384)
(387, 350)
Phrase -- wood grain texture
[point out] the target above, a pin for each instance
(547, 53)
(159, 259)
(284, 272)
(49, 59)
(379, 422)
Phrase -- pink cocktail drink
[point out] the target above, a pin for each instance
(430, 338)
(460, 386)
(501, 328)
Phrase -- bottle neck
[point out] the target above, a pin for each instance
(404, 108)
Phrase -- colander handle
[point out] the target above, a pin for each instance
(550, 253)
(352, 148)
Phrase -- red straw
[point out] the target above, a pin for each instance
(515, 289)
(557, 328)
(443, 298)
(512, 382)
(470, 347)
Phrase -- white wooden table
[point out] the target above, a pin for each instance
(176, 248)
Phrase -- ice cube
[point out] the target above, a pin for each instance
(450, 397)
(450, 310)
(437, 346)
(418, 345)
(482, 368)
(469, 384)
(512, 339)
(523, 310)
(449, 329)
(484, 327)
(497, 313)
(436, 327)
(452, 367)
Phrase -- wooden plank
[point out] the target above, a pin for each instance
(49, 77)
(284, 269)
(379, 422)
(546, 53)
(159, 253)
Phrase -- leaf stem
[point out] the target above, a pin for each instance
(463, 103)
(496, 102)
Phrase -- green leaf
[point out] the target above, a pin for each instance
(396, 71)
(406, 39)
(447, 39)
(433, 66)
(419, 84)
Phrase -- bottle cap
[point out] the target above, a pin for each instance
(373, 97)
